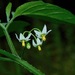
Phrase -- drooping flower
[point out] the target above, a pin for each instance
(23, 39)
(42, 34)
(37, 44)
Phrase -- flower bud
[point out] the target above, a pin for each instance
(28, 45)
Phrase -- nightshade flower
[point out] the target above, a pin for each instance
(37, 44)
(42, 34)
(23, 39)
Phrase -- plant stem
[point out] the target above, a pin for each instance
(35, 29)
(9, 23)
(29, 67)
(12, 48)
(5, 59)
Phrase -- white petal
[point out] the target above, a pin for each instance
(21, 37)
(16, 36)
(34, 44)
(39, 42)
(27, 38)
(37, 32)
(44, 31)
(48, 32)
(38, 36)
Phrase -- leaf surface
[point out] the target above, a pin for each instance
(45, 11)
(8, 10)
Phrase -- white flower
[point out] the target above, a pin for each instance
(42, 34)
(23, 39)
(37, 44)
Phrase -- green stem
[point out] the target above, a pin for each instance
(2, 26)
(9, 23)
(5, 59)
(29, 67)
(34, 36)
(35, 29)
(12, 48)
(25, 32)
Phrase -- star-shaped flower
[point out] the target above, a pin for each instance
(42, 34)
(23, 39)
(37, 44)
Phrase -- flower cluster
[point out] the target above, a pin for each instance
(39, 37)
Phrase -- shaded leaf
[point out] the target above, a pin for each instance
(45, 11)
(17, 26)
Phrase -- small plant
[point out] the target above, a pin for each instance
(36, 9)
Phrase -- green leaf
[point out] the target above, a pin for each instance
(8, 54)
(5, 59)
(23, 63)
(45, 11)
(16, 26)
(8, 10)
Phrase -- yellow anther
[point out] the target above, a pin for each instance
(43, 38)
(23, 43)
(39, 48)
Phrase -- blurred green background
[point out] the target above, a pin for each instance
(58, 52)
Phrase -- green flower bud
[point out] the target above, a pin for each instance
(28, 46)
